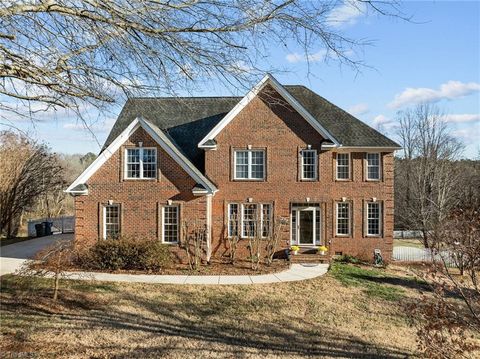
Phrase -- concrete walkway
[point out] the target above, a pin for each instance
(296, 272)
(13, 256)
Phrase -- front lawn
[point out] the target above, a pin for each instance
(352, 311)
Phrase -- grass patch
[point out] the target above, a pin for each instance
(374, 282)
(412, 243)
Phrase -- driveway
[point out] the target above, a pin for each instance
(14, 255)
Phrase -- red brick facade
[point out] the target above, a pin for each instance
(283, 133)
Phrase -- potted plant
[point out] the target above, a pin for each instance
(322, 250)
(294, 249)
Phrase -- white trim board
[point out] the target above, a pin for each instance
(160, 138)
(268, 79)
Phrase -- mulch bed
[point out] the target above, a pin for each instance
(217, 266)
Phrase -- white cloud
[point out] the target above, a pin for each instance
(383, 122)
(449, 90)
(469, 135)
(346, 14)
(315, 57)
(98, 127)
(461, 118)
(359, 109)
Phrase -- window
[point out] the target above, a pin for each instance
(233, 219)
(111, 217)
(374, 218)
(170, 224)
(250, 165)
(373, 166)
(249, 220)
(343, 166)
(343, 218)
(266, 213)
(309, 164)
(250, 217)
(141, 163)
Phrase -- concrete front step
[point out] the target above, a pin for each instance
(310, 258)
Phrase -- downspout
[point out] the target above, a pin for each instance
(209, 227)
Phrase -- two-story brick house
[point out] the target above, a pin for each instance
(278, 152)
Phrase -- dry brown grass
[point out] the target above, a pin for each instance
(320, 318)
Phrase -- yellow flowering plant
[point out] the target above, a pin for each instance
(294, 248)
(322, 249)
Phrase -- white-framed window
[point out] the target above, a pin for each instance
(309, 164)
(170, 224)
(249, 164)
(373, 166)
(248, 218)
(343, 218)
(233, 219)
(343, 166)
(374, 218)
(140, 163)
(111, 221)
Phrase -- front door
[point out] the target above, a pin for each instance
(306, 223)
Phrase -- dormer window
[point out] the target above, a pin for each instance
(141, 163)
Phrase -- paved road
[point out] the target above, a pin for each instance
(14, 255)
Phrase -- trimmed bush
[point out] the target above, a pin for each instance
(127, 254)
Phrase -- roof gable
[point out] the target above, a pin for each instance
(160, 137)
(292, 101)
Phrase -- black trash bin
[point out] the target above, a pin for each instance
(48, 228)
(39, 229)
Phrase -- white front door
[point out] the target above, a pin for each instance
(305, 221)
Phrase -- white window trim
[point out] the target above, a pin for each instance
(249, 164)
(349, 167)
(259, 206)
(315, 165)
(379, 166)
(104, 213)
(228, 217)
(178, 224)
(349, 220)
(125, 167)
(380, 220)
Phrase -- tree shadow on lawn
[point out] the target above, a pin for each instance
(219, 325)
(397, 281)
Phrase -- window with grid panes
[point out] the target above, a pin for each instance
(373, 166)
(343, 218)
(170, 224)
(343, 166)
(309, 164)
(112, 221)
(373, 218)
(249, 164)
(141, 163)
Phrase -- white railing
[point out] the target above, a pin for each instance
(65, 224)
(411, 254)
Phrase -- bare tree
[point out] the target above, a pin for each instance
(427, 178)
(28, 172)
(193, 240)
(52, 262)
(274, 235)
(75, 54)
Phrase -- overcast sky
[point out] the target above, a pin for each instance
(436, 59)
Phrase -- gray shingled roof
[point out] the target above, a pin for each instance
(187, 120)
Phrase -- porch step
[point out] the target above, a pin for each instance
(310, 258)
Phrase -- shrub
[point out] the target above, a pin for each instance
(126, 253)
(348, 259)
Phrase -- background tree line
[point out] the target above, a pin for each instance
(32, 181)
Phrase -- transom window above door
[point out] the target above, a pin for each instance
(141, 163)
(249, 165)
(309, 168)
